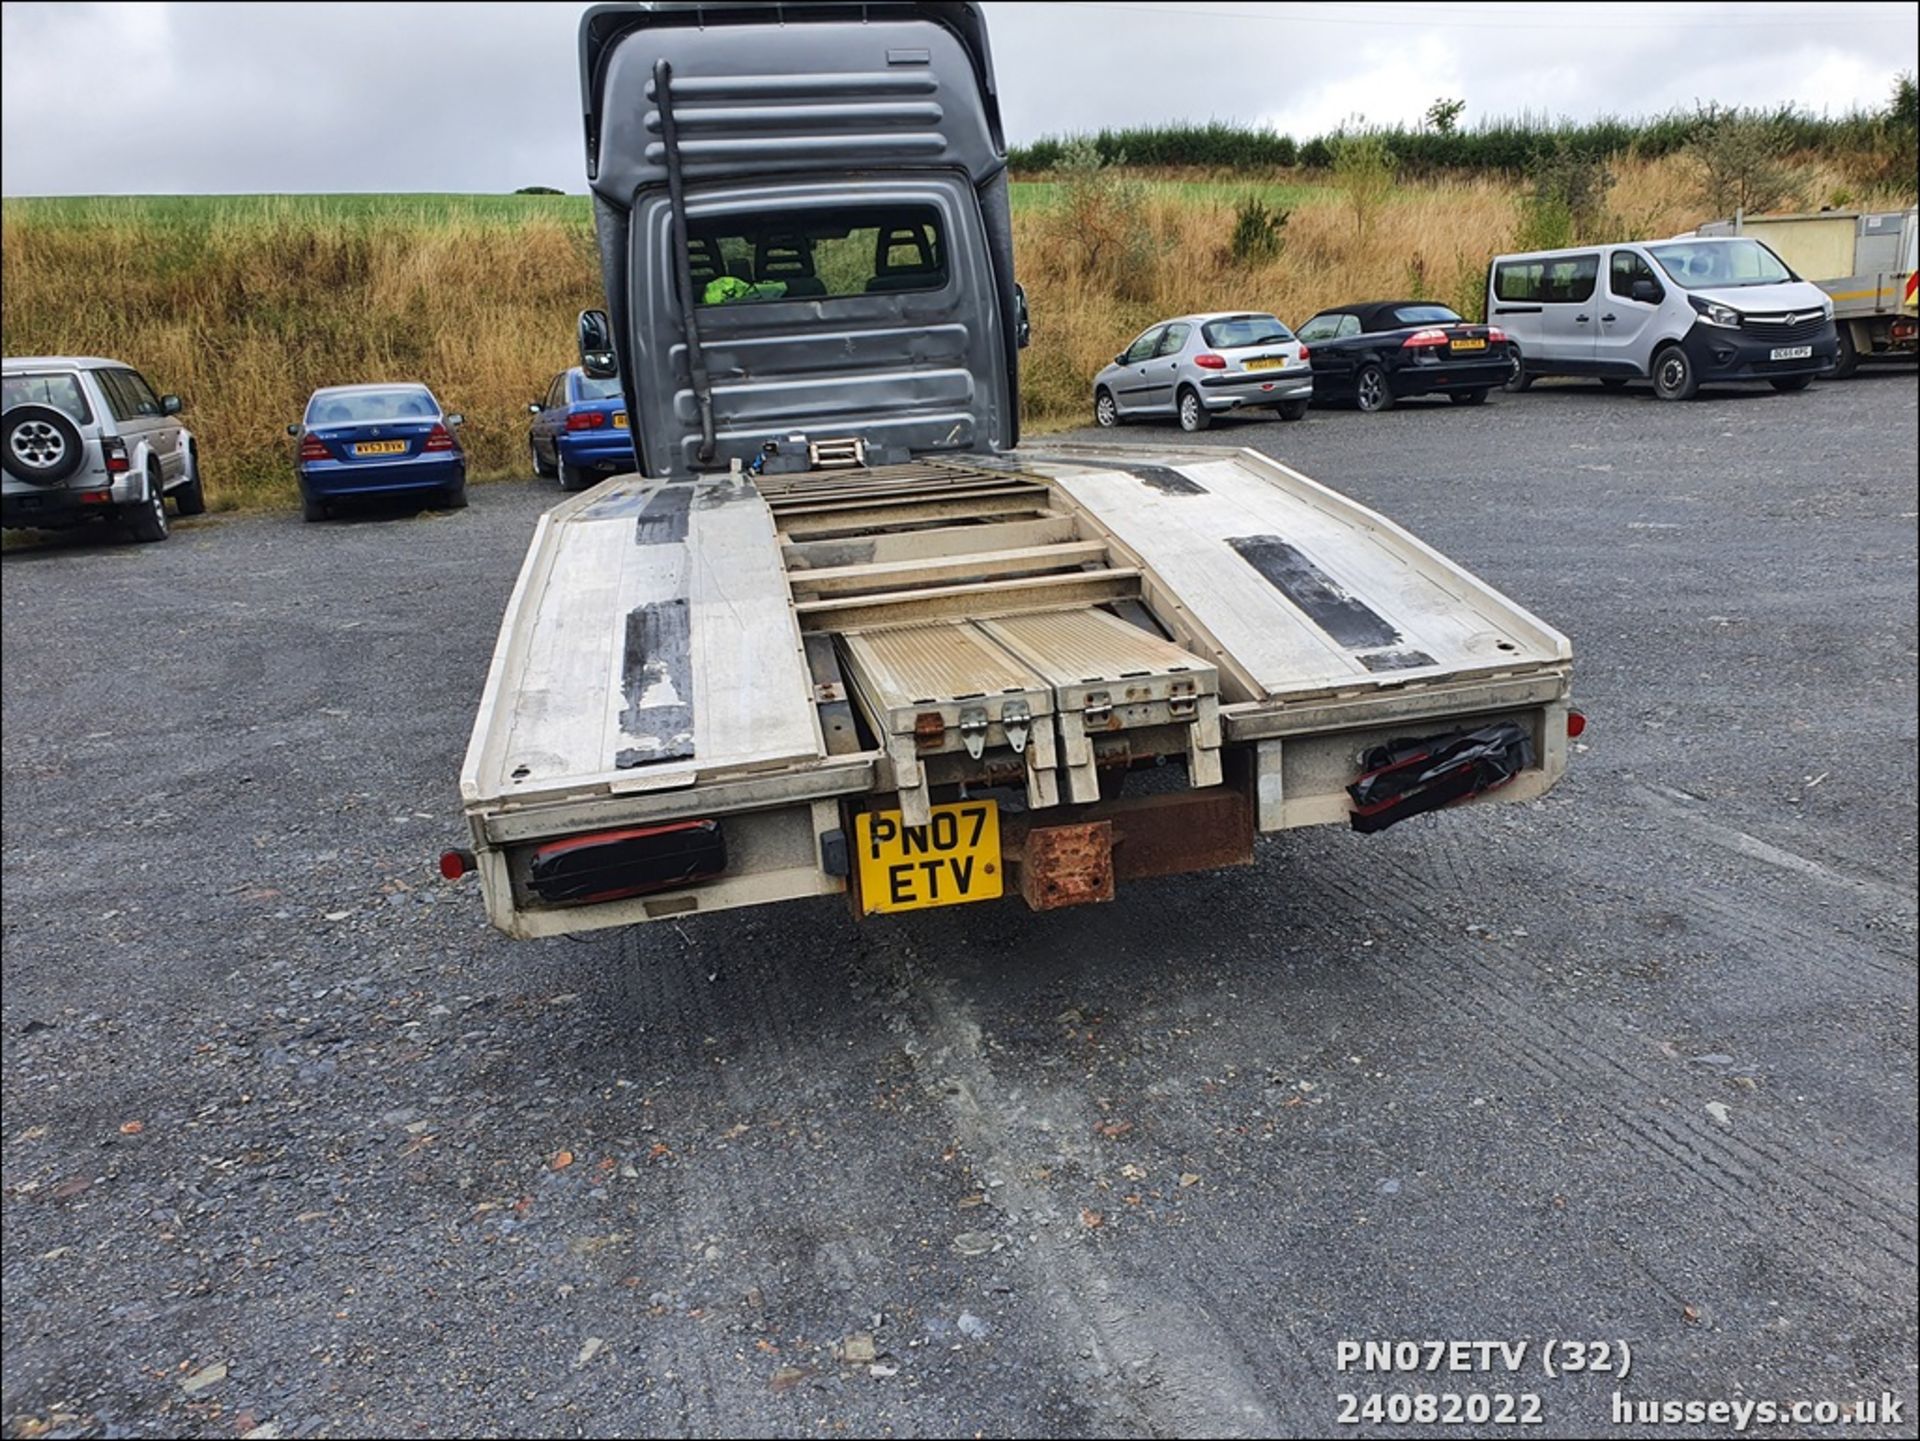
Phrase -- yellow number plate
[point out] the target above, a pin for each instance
(380, 447)
(1269, 362)
(953, 858)
(1469, 345)
(619, 420)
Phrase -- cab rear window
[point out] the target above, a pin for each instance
(61, 391)
(816, 255)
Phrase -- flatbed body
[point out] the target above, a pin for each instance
(776, 654)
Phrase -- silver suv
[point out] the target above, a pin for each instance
(83, 438)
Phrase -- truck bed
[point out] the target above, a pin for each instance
(736, 645)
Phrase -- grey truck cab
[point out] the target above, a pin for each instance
(1676, 312)
(804, 231)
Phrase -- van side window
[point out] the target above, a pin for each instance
(1550, 280)
(1627, 267)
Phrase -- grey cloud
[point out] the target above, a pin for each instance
(245, 97)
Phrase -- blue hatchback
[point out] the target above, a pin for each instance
(579, 430)
(377, 440)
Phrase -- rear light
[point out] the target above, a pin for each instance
(1576, 723)
(1496, 335)
(1421, 339)
(314, 448)
(114, 451)
(611, 865)
(1210, 362)
(586, 420)
(1304, 352)
(439, 438)
(455, 864)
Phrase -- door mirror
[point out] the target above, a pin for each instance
(534, 407)
(456, 419)
(596, 345)
(169, 405)
(1121, 358)
(1646, 291)
(1022, 320)
(293, 430)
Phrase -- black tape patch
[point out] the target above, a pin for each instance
(712, 497)
(664, 520)
(657, 677)
(1383, 660)
(621, 502)
(1340, 614)
(1165, 479)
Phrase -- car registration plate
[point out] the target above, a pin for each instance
(1792, 352)
(954, 858)
(1266, 362)
(1468, 345)
(619, 420)
(380, 447)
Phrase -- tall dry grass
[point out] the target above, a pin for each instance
(245, 308)
(244, 312)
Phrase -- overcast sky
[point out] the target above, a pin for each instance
(165, 98)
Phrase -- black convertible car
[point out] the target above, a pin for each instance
(1386, 350)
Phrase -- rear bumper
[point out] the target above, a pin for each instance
(596, 450)
(1443, 375)
(335, 478)
(1721, 354)
(60, 505)
(1227, 392)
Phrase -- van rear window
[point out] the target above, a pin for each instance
(1547, 279)
(60, 391)
(816, 255)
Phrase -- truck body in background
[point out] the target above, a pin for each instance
(1869, 264)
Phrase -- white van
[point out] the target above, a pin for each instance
(1676, 312)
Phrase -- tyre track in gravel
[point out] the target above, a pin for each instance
(1167, 1366)
(1722, 1160)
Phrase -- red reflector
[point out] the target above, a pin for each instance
(1576, 723)
(586, 420)
(95, 497)
(1210, 362)
(455, 864)
(1421, 339)
(312, 447)
(439, 438)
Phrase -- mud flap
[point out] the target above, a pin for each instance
(1410, 777)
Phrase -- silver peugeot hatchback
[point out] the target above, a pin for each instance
(1195, 367)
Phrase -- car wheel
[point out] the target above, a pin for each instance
(1614, 382)
(1193, 415)
(540, 471)
(1517, 377)
(1848, 360)
(1791, 382)
(42, 446)
(1467, 397)
(1106, 414)
(312, 508)
(147, 518)
(1673, 377)
(1292, 409)
(1371, 391)
(574, 477)
(454, 497)
(188, 497)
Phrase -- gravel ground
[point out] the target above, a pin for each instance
(293, 1141)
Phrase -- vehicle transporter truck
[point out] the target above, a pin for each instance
(841, 632)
